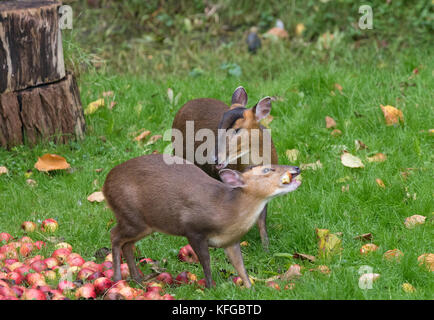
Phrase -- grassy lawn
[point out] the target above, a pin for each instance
(302, 74)
(307, 95)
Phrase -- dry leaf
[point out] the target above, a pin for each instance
(49, 162)
(365, 236)
(3, 170)
(345, 188)
(393, 255)
(267, 120)
(314, 166)
(31, 182)
(330, 122)
(244, 244)
(380, 183)
(322, 268)
(96, 197)
(112, 105)
(98, 170)
(292, 154)
(328, 243)
(278, 33)
(369, 247)
(348, 160)
(143, 135)
(408, 288)
(360, 145)
(411, 222)
(392, 115)
(93, 106)
(303, 256)
(336, 132)
(292, 272)
(378, 157)
(154, 139)
(427, 259)
(338, 87)
(299, 29)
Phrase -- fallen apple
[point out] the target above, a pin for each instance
(39, 266)
(86, 291)
(29, 226)
(165, 278)
(187, 254)
(49, 225)
(102, 284)
(61, 254)
(74, 259)
(6, 237)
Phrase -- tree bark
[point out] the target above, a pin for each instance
(30, 44)
(47, 112)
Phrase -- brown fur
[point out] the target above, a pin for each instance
(147, 195)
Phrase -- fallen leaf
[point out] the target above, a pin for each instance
(292, 154)
(336, 132)
(345, 188)
(348, 160)
(338, 87)
(31, 182)
(244, 244)
(360, 145)
(143, 135)
(314, 166)
(393, 255)
(380, 183)
(328, 243)
(292, 272)
(330, 122)
(93, 106)
(369, 247)
(392, 115)
(411, 222)
(367, 279)
(378, 157)
(299, 29)
(112, 105)
(98, 170)
(427, 259)
(408, 288)
(3, 170)
(322, 268)
(303, 256)
(277, 33)
(49, 162)
(154, 139)
(96, 197)
(266, 121)
(365, 236)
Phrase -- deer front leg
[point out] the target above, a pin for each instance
(263, 228)
(235, 257)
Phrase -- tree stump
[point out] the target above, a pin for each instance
(30, 44)
(38, 99)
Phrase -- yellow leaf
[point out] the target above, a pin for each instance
(49, 162)
(408, 288)
(380, 183)
(314, 166)
(378, 157)
(328, 244)
(392, 115)
(93, 106)
(348, 160)
(299, 29)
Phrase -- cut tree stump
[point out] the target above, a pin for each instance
(30, 44)
(47, 112)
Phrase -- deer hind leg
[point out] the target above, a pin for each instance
(263, 228)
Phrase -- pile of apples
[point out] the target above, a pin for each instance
(27, 275)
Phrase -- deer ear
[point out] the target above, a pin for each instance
(263, 108)
(239, 97)
(231, 178)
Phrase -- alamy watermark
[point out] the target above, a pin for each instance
(65, 20)
(366, 20)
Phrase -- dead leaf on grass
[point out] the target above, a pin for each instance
(348, 160)
(314, 166)
(292, 154)
(303, 256)
(3, 170)
(50, 162)
(378, 157)
(360, 145)
(142, 136)
(328, 243)
(380, 183)
(330, 122)
(292, 273)
(392, 115)
(393, 255)
(96, 197)
(427, 260)
(365, 236)
(367, 248)
(93, 106)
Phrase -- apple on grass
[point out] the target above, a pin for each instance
(187, 254)
(29, 226)
(74, 260)
(33, 294)
(6, 237)
(102, 284)
(165, 278)
(61, 254)
(86, 291)
(49, 225)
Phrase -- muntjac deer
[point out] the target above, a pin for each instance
(240, 123)
(146, 195)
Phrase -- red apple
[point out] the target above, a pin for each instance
(15, 265)
(29, 261)
(51, 262)
(87, 291)
(154, 286)
(18, 290)
(63, 245)
(7, 291)
(106, 265)
(94, 275)
(35, 279)
(165, 277)
(128, 293)
(26, 248)
(40, 244)
(92, 265)
(33, 294)
(84, 273)
(49, 225)
(65, 285)
(168, 297)
(10, 251)
(29, 226)
(23, 270)
(16, 277)
(146, 261)
(102, 284)
(6, 237)
(238, 281)
(26, 239)
(39, 266)
(125, 271)
(113, 294)
(61, 254)
(108, 273)
(74, 259)
(188, 255)
(202, 283)
(49, 274)
(185, 277)
(152, 295)
(2, 257)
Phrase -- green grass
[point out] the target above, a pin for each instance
(305, 85)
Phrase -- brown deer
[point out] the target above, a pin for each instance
(147, 195)
(214, 115)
